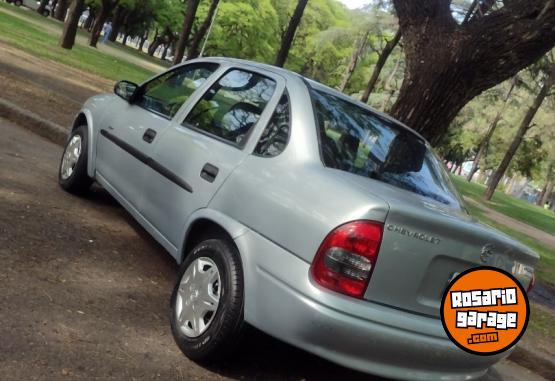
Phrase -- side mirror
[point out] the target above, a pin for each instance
(126, 90)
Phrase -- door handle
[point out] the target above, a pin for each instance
(209, 172)
(149, 135)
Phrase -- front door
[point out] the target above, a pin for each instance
(130, 133)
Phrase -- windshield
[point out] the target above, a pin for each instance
(356, 140)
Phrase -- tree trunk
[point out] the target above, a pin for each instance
(105, 10)
(290, 33)
(548, 185)
(53, 6)
(193, 50)
(89, 22)
(448, 64)
(61, 10)
(158, 40)
(547, 192)
(485, 141)
(383, 56)
(387, 85)
(355, 57)
(97, 27)
(125, 37)
(42, 6)
(523, 128)
(165, 51)
(190, 14)
(67, 40)
(119, 16)
(142, 41)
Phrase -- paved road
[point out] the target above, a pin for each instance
(85, 290)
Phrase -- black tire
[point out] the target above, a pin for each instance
(18, 3)
(226, 328)
(79, 181)
(46, 13)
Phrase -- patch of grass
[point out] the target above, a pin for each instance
(541, 321)
(30, 38)
(545, 271)
(139, 54)
(521, 210)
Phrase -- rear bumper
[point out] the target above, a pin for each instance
(281, 300)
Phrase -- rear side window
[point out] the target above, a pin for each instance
(356, 140)
(232, 106)
(276, 134)
(165, 94)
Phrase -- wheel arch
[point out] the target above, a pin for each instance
(207, 222)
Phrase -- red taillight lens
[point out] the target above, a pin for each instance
(345, 260)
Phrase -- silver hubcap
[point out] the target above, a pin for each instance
(71, 155)
(198, 297)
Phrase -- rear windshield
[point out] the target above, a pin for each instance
(356, 140)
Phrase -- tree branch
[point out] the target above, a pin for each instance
(508, 40)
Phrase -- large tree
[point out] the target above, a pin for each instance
(448, 63)
(382, 58)
(201, 32)
(190, 14)
(525, 125)
(483, 145)
(67, 39)
(287, 39)
(61, 9)
(106, 8)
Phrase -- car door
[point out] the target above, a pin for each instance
(130, 132)
(206, 144)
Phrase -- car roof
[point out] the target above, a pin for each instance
(310, 83)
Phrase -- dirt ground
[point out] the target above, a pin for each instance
(51, 90)
(85, 290)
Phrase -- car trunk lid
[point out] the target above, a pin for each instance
(426, 244)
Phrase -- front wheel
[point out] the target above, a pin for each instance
(73, 176)
(207, 302)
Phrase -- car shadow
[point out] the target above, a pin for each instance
(262, 357)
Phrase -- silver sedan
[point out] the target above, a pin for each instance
(293, 208)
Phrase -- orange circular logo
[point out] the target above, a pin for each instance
(485, 310)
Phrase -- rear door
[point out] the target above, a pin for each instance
(203, 147)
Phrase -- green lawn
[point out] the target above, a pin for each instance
(521, 210)
(142, 55)
(541, 321)
(546, 269)
(30, 38)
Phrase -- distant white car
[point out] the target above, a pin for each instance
(34, 5)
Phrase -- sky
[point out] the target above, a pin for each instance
(355, 3)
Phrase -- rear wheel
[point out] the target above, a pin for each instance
(18, 3)
(73, 176)
(207, 302)
(46, 13)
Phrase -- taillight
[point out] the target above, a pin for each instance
(345, 260)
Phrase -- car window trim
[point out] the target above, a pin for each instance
(249, 134)
(189, 65)
(286, 93)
